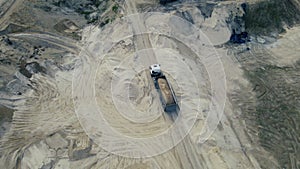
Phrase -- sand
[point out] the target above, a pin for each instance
(109, 113)
(286, 49)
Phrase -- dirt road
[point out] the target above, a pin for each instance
(141, 38)
(184, 151)
(6, 9)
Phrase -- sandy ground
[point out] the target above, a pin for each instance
(118, 108)
(286, 48)
(122, 65)
(8, 7)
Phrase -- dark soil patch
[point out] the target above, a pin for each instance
(270, 16)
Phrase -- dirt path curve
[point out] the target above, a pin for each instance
(59, 41)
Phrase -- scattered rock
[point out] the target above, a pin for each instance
(48, 165)
(164, 2)
(239, 38)
(28, 69)
(206, 9)
(80, 153)
(34, 68)
(56, 142)
(5, 61)
(7, 40)
(260, 40)
(237, 24)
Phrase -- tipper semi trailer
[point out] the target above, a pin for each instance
(165, 90)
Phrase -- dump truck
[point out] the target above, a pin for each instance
(165, 90)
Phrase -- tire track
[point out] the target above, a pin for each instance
(185, 150)
(8, 11)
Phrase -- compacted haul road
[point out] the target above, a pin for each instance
(185, 151)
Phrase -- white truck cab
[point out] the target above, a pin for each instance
(155, 70)
(166, 93)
